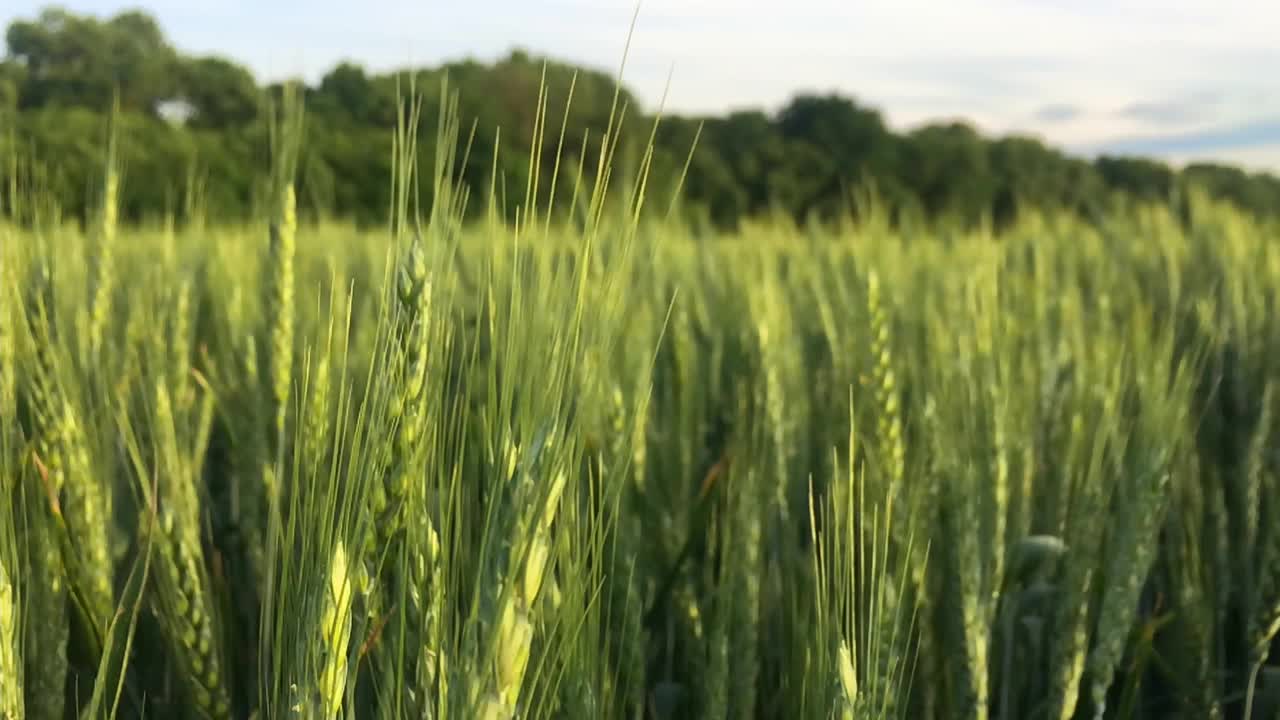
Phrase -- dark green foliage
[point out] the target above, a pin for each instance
(809, 160)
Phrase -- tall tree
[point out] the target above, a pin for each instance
(950, 171)
(12, 76)
(79, 61)
(220, 92)
(348, 94)
(1141, 178)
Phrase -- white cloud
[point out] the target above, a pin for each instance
(1265, 157)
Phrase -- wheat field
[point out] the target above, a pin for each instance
(592, 465)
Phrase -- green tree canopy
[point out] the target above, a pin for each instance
(79, 61)
(809, 159)
(221, 93)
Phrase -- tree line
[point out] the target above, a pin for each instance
(191, 132)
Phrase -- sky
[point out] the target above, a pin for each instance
(1178, 79)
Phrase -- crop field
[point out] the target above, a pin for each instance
(592, 464)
